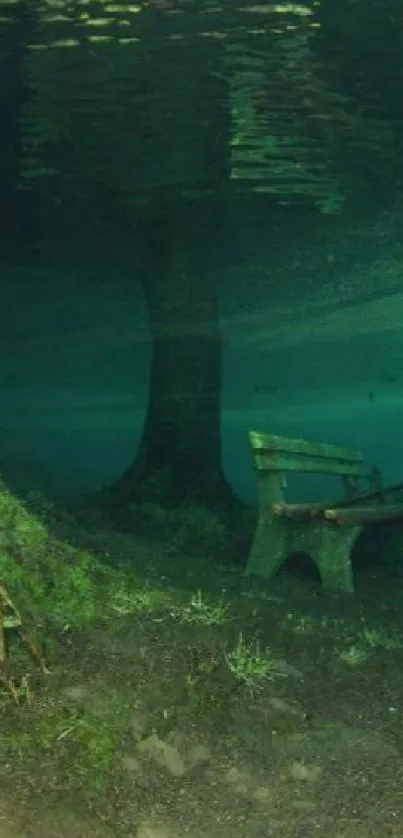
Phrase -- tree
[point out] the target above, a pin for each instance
(158, 117)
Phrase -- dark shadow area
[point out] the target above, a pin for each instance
(380, 548)
(301, 566)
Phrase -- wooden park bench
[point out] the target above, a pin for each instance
(325, 531)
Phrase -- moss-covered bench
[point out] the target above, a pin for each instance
(325, 531)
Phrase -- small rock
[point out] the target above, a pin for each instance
(198, 754)
(163, 754)
(149, 831)
(131, 764)
(305, 773)
(79, 693)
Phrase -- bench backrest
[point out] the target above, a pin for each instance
(281, 454)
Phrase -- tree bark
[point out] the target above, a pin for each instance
(179, 457)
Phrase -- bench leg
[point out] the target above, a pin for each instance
(329, 547)
(269, 547)
(332, 555)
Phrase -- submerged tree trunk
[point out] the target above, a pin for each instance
(179, 457)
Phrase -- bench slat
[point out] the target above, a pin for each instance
(299, 511)
(347, 515)
(364, 514)
(278, 461)
(271, 442)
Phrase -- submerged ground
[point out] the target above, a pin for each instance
(198, 702)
